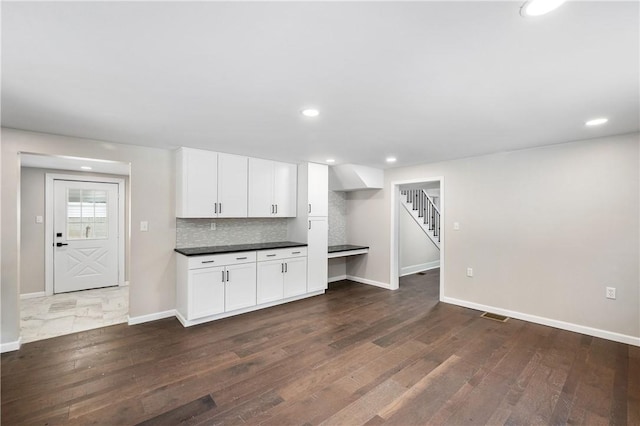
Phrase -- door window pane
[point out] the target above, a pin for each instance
(87, 214)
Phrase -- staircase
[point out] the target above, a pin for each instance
(420, 206)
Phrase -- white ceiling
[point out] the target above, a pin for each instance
(423, 81)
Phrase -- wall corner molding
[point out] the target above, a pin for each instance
(141, 319)
(11, 346)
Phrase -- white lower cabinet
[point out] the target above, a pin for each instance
(295, 276)
(284, 277)
(240, 286)
(206, 295)
(270, 283)
(210, 287)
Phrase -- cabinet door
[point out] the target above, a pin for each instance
(269, 285)
(196, 190)
(295, 276)
(232, 185)
(318, 244)
(206, 292)
(318, 190)
(261, 188)
(285, 189)
(240, 288)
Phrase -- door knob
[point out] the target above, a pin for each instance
(61, 244)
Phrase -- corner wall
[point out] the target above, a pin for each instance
(545, 230)
(152, 266)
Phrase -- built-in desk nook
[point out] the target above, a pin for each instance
(344, 250)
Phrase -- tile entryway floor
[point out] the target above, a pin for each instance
(66, 313)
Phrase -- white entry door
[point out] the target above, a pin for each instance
(85, 252)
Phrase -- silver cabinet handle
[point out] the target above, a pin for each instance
(227, 276)
(270, 255)
(286, 267)
(272, 209)
(215, 207)
(276, 209)
(295, 252)
(220, 208)
(282, 268)
(309, 224)
(222, 276)
(309, 207)
(208, 261)
(241, 258)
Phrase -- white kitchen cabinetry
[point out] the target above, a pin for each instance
(318, 244)
(210, 184)
(206, 293)
(272, 188)
(240, 286)
(214, 284)
(318, 190)
(282, 273)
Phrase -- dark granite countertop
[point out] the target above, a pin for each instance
(345, 247)
(198, 251)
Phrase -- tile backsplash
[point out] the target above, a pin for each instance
(198, 232)
(337, 218)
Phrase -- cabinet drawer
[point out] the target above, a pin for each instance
(281, 253)
(207, 261)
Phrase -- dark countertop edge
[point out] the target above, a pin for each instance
(346, 247)
(203, 251)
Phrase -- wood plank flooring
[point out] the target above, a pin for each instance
(357, 355)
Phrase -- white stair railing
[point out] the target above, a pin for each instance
(426, 211)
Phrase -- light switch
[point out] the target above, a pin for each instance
(144, 226)
(456, 226)
(39, 219)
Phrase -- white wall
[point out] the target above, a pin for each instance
(545, 230)
(152, 268)
(416, 251)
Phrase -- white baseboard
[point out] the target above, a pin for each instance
(368, 281)
(337, 278)
(32, 295)
(151, 317)
(414, 269)
(11, 346)
(609, 335)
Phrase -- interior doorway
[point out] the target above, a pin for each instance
(63, 257)
(431, 204)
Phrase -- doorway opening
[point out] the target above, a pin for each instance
(74, 244)
(425, 224)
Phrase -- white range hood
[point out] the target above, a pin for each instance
(353, 177)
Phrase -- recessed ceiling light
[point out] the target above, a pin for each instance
(85, 167)
(310, 112)
(539, 7)
(331, 160)
(391, 159)
(596, 121)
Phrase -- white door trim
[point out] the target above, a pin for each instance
(394, 278)
(48, 228)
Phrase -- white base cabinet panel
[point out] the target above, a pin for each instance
(211, 287)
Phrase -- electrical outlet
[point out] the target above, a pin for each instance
(213, 226)
(456, 226)
(611, 293)
(470, 272)
(144, 226)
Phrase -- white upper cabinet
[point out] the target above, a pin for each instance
(232, 185)
(196, 183)
(209, 184)
(272, 188)
(318, 190)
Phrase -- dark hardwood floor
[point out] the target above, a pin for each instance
(357, 355)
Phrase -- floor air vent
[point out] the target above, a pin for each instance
(495, 317)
